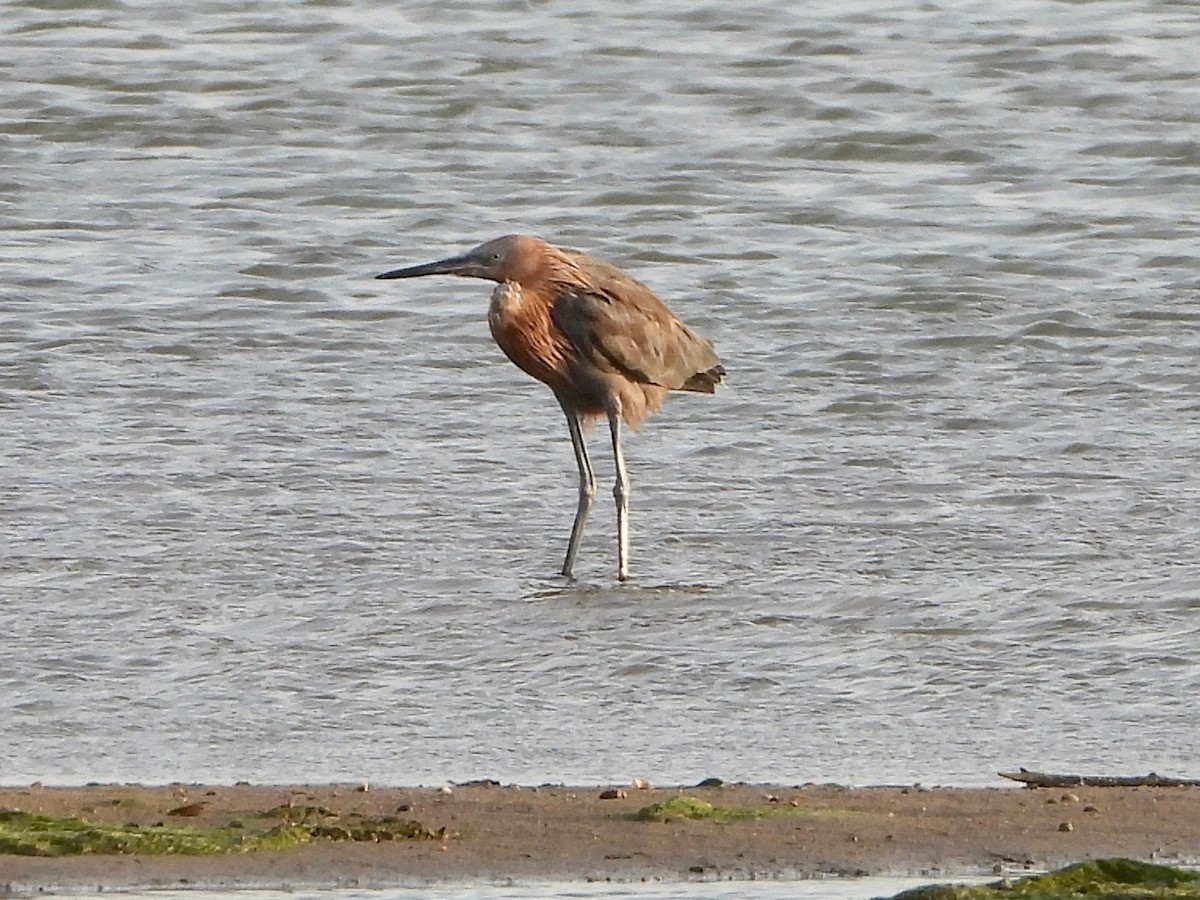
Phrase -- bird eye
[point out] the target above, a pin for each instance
(495, 257)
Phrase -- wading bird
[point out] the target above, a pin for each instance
(601, 340)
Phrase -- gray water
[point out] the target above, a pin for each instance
(264, 518)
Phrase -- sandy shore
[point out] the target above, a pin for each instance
(555, 832)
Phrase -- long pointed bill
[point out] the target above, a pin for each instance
(455, 265)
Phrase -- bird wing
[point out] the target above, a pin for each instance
(618, 324)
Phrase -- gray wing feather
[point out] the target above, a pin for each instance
(630, 331)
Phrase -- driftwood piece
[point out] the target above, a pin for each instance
(1043, 779)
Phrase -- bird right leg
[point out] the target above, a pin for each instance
(621, 495)
(587, 487)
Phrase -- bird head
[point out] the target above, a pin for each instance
(502, 259)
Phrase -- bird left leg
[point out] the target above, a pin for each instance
(621, 495)
(587, 487)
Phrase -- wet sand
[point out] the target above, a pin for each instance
(550, 832)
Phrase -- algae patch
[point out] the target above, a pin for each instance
(685, 807)
(33, 834)
(1101, 879)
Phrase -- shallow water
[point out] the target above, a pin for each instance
(264, 518)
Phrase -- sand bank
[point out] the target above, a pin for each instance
(486, 831)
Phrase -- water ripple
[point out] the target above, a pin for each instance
(265, 519)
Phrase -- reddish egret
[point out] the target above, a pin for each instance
(601, 340)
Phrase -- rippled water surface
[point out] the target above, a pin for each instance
(263, 517)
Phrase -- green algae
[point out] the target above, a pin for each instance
(387, 828)
(296, 815)
(685, 807)
(34, 834)
(1101, 879)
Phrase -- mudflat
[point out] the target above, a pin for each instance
(382, 836)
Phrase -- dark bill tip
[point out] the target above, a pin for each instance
(406, 272)
(454, 266)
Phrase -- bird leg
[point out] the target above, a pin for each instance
(587, 487)
(621, 494)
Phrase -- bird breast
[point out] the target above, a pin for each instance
(520, 323)
(506, 302)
